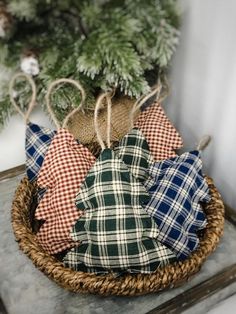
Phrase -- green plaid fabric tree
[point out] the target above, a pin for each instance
(134, 151)
(116, 233)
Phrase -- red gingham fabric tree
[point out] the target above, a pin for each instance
(65, 167)
(162, 137)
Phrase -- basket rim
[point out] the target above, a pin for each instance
(169, 276)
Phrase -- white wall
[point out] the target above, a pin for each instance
(12, 139)
(203, 82)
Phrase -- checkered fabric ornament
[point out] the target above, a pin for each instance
(116, 233)
(133, 150)
(162, 137)
(177, 186)
(65, 167)
(37, 142)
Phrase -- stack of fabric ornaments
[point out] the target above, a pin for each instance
(134, 208)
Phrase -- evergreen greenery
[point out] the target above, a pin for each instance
(103, 43)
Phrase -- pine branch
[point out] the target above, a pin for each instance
(104, 44)
(5, 112)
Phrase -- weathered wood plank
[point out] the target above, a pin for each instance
(230, 214)
(198, 293)
(10, 173)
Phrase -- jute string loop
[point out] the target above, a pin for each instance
(138, 104)
(48, 103)
(98, 104)
(32, 102)
(165, 90)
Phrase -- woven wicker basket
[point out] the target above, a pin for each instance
(128, 285)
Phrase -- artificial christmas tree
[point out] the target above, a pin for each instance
(105, 44)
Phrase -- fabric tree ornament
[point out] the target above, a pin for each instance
(133, 150)
(162, 137)
(37, 141)
(65, 167)
(177, 187)
(37, 138)
(116, 233)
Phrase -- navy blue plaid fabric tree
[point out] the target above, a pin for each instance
(177, 187)
(37, 142)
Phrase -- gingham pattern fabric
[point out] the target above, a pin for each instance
(37, 141)
(116, 233)
(177, 186)
(162, 137)
(65, 167)
(133, 150)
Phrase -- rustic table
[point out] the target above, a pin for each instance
(25, 290)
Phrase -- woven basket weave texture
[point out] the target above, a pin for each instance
(127, 285)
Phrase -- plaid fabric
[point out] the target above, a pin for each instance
(40, 193)
(162, 137)
(177, 186)
(37, 141)
(116, 233)
(133, 150)
(65, 167)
